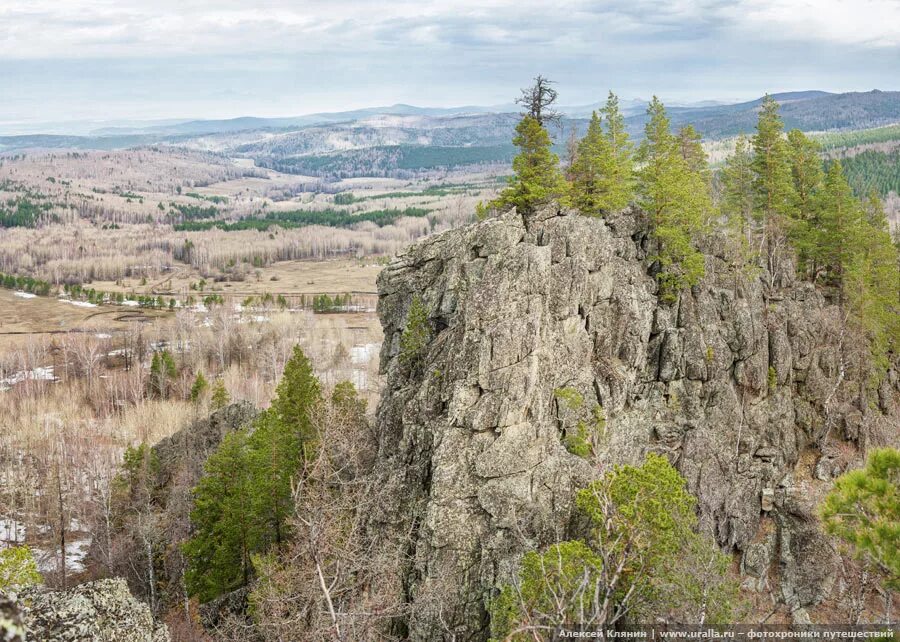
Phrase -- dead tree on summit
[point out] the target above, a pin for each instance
(538, 100)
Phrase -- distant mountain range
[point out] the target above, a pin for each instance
(382, 140)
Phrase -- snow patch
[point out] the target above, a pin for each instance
(364, 353)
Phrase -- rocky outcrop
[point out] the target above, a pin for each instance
(178, 465)
(11, 627)
(102, 611)
(734, 382)
(184, 453)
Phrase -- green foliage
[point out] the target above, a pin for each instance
(199, 388)
(690, 148)
(245, 497)
(304, 218)
(620, 169)
(586, 435)
(323, 303)
(275, 450)
(568, 569)
(345, 398)
(807, 177)
(839, 139)
(870, 286)
(25, 284)
(601, 173)
(163, 371)
(344, 198)
(586, 172)
(416, 334)
(24, 211)
(571, 397)
(537, 178)
(390, 160)
(839, 229)
(220, 397)
(225, 533)
(640, 519)
(676, 196)
(581, 438)
(297, 395)
(18, 568)
(773, 184)
(873, 170)
(863, 509)
(185, 212)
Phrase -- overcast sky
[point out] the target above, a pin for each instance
(136, 59)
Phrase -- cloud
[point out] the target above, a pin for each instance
(302, 55)
(133, 28)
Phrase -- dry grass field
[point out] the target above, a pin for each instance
(287, 278)
(22, 318)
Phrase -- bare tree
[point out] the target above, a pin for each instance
(538, 100)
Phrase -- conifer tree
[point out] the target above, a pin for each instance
(690, 146)
(275, 456)
(620, 171)
(220, 396)
(589, 184)
(226, 533)
(737, 190)
(871, 285)
(839, 237)
(199, 388)
(771, 166)
(296, 398)
(677, 201)
(863, 509)
(807, 175)
(416, 334)
(537, 178)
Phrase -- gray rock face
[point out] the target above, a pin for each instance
(102, 611)
(732, 382)
(11, 627)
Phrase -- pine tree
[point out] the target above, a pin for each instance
(620, 170)
(677, 201)
(690, 146)
(220, 396)
(839, 237)
(737, 191)
(162, 372)
(199, 388)
(871, 285)
(226, 534)
(296, 398)
(275, 456)
(863, 509)
(772, 183)
(807, 175)
(589, 184)
(537, 178)
(416, 334)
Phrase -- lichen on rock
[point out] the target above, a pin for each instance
(733, 381)
(101, 611)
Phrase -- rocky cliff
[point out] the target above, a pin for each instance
(102, 611)
(749, 383)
